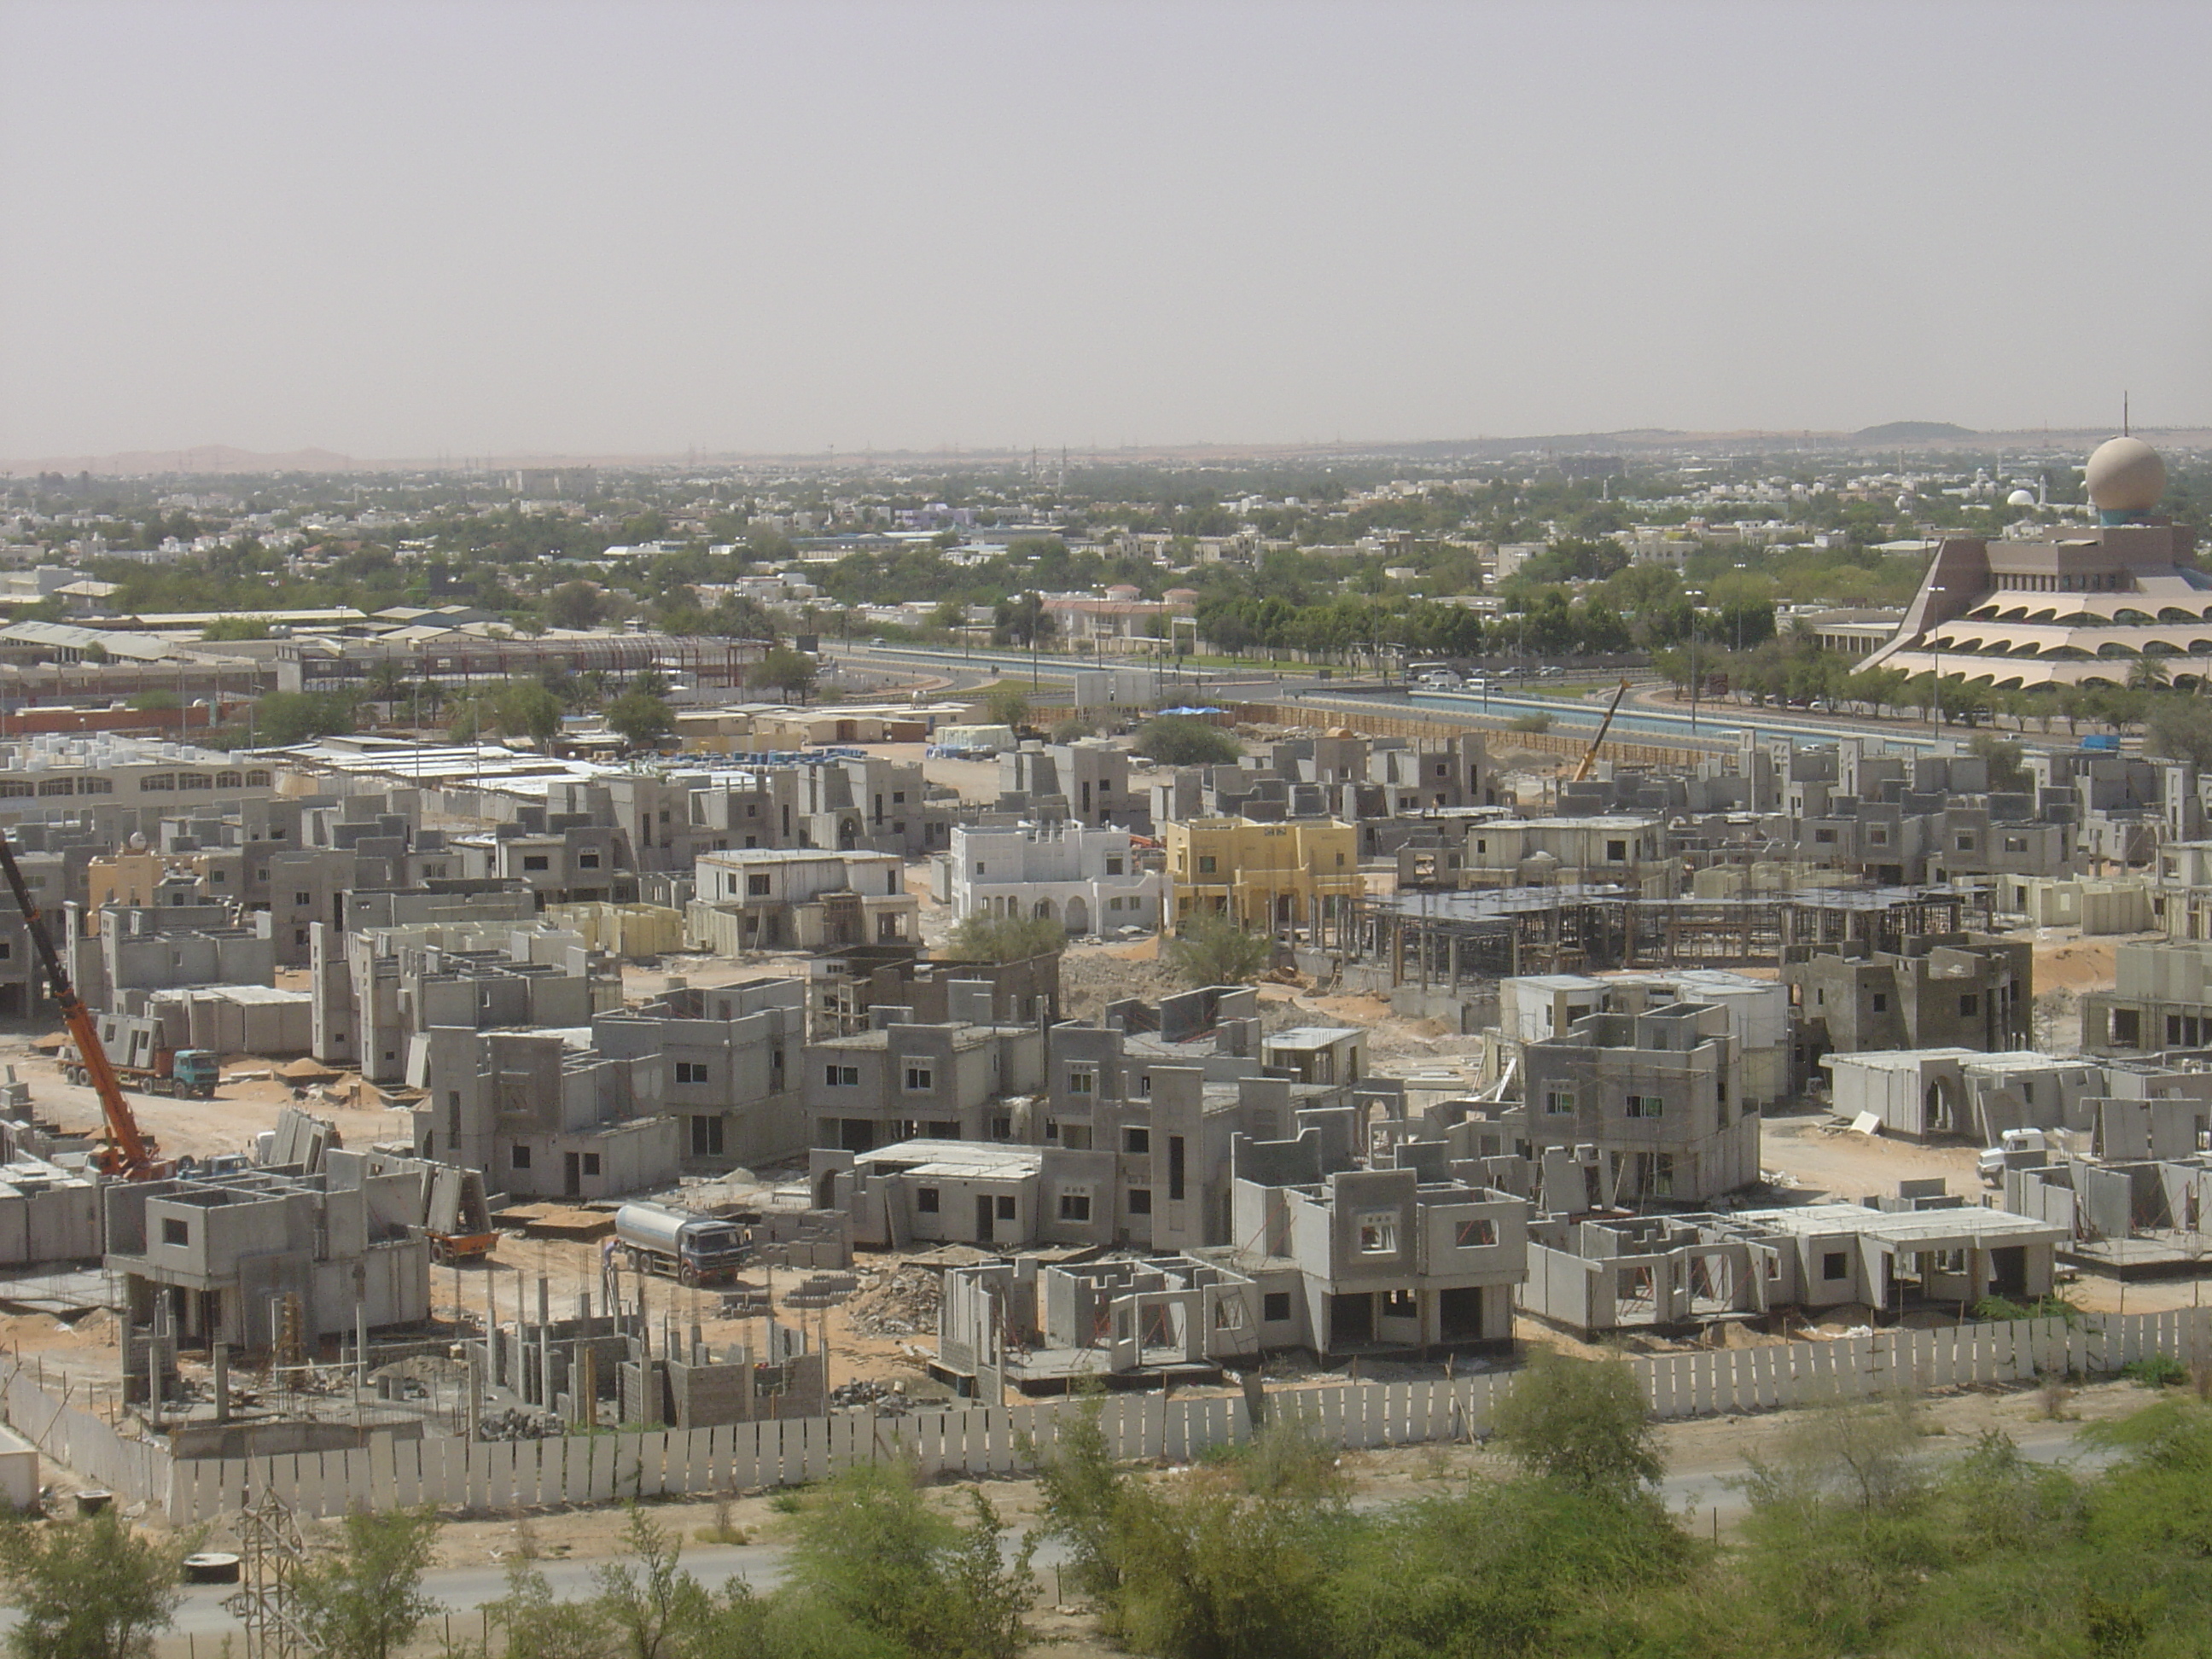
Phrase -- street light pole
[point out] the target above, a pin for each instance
(1935, 688)
(1697, 684)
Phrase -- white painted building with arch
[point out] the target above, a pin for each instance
(1088, 879)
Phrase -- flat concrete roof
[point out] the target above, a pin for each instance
(1895, 1059)
(1311, 1036)
(1920, 1228)
(957, 1159)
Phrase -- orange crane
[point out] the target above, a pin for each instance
(1590, 757)
(127, 1149)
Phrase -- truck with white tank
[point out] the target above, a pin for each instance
(680, 1244)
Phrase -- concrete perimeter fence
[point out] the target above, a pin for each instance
(597, 1468)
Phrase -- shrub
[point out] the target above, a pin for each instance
(1583, 1422)
(1180, 740)
(1212, 950)
(2156, 1370)
(1004, 938)
(1531, 723)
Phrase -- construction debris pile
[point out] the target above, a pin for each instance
(889, 1399)
(516, 1424)
(902, 1303)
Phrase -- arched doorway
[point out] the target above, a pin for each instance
(1078, 915)
(1043, 912)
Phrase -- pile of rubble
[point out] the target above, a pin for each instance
(901, 1303)
(516, 1424)
(889, 1399)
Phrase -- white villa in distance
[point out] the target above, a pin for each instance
(1087, 879)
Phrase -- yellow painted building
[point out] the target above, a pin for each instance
(1271, 877)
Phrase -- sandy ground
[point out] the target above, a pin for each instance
(1816, 1153)
(242, 1108)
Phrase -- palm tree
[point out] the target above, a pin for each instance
(2149, 674)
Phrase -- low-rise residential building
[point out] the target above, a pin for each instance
(1298, 877)
(1629, 849)
(236, 1258)
(772, 899)
(1655, 1094)
(539, 1114)
(1365, 1260)
(1089, 880)
(378, 992)
(176, 947)
(1038, 1325)
(1086, 780)
(1940, 990)
(726, 1063)
(2161, 1000)
(899, 1081)
(1612, 1274)
(1534, 1007)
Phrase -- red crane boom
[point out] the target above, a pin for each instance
(128, 1151)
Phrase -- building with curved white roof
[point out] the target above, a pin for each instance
(2076, 605)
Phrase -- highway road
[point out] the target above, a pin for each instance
(1717, 725)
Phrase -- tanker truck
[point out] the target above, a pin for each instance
(690, 1249)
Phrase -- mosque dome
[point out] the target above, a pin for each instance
(2125, 475)
(2020, 498)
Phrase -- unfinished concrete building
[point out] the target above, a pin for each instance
(1166, 1091)
(1373, 1261)
(178, 947)
(1086, 782)
(1959, 990)
(2126, 1217)
(768, 899)
(1673, 1272)
(2161, 1001)
(378, 991)
(842, 985)
(1039, 1326)
(257, 1257)
(724, 1063)
(899, 1079)
(540, 1117)
(919, 1193)
(1534, 1007)
(1655, 1094)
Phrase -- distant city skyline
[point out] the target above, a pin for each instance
(414, 231)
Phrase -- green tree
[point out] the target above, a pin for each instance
(1083, 1490)
(1180, 740)
(2180, 728)
(790, 671)
(643, 721)
(1004, 938)
(85, 1589)
(1583, 1422)
(576, 605)
(1209, 1575)
(874, 1553)
(2149, 673)
(534, 1622)
(365, 1601)
(2007, 773)
(1210, 949)
(389, 681)
(654, 1606)
(514, 709)
(288, 717)
(1005, 704)
(236, 628)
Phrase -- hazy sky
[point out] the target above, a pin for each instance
(467, 227)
